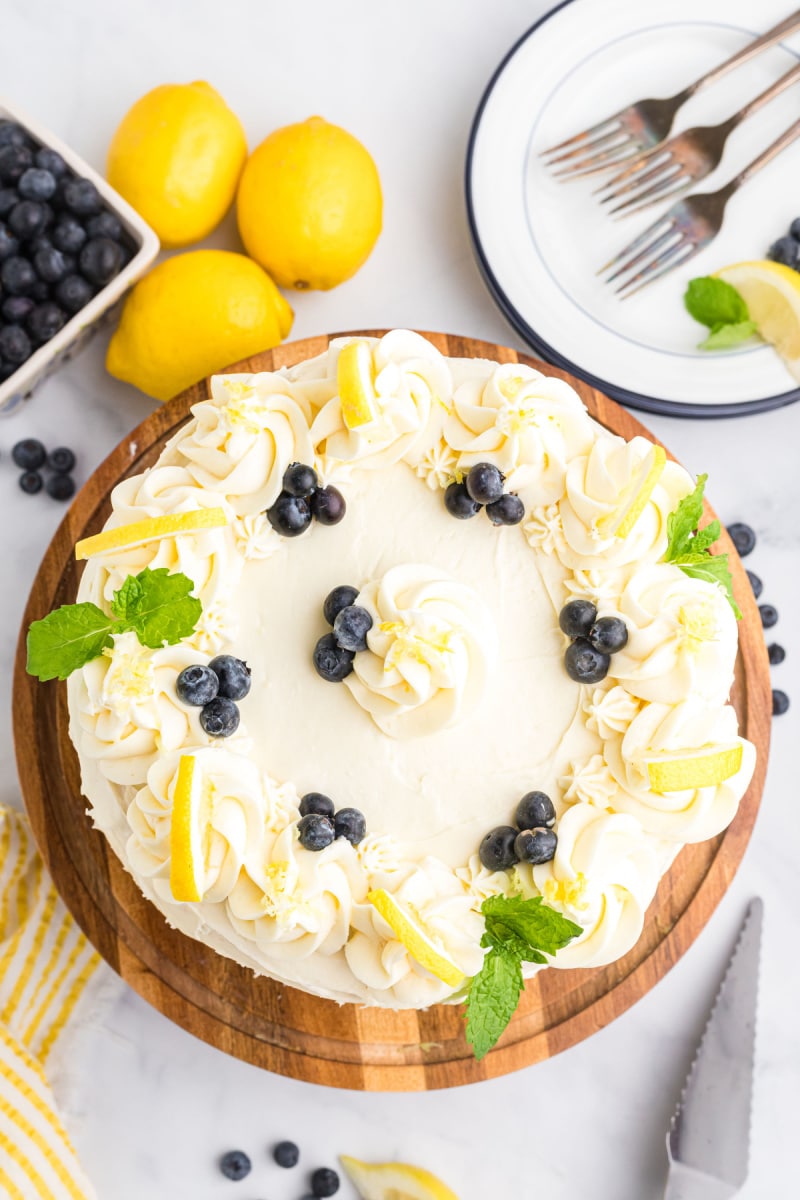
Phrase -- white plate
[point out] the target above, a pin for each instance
(539, 242)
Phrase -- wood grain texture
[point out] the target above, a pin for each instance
(281, 1028)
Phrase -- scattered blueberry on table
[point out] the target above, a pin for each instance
(286, 1154)
(769, 615)
(235, 1165)
(324, 1183)
(780, 702)
(776, 654)
(786, 250)
(755, 583)
(31, 456)
(743, 538)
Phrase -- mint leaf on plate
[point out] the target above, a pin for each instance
(67, 638)
(722, 337)
(492, 1000)
(157, 606)
(689, 547)
(713, 302)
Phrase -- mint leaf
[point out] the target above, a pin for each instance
(722, 337)
(713, 302)
(492, 999)
(66, 639)
(705, 537)
(539, 927)
(157, 606)
(713, 568)
(682, 523)
(689, 547)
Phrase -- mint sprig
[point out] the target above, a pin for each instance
(689, 547)
(717, 305)
(155, 605)
(517, 931)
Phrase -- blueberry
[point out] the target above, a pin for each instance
(535, 811)
(351, 627)
(317, 802)
(459, 503)
(351, 824)
(535, 845)
(328, 505)
(28, 218)
(9, 244)
(8, 198)
(29, 454)
(331, 660)
(794, 229)
(577, 617)
(324, 1182)
(235, 1165)
(584, 664)
(60, 487)
(15, 345)
(508, 510)
(73, 293)
(786, 250)
(39, 290)
(6, 370)
(36, 183)
(50, 160)
(31, 482)
(769, 615)
(497, 851)
(341, 597)
(233, 675)
(197, 685)
(286, 1154)
(51, 264)
(45, 321)
(289, 515)
(17, 276)
(300, 480)
(315, 831)
(68, 235)
(743, 538)
(609, 634)
(99, 261)
(61, 460)
(16, 308)
(220, 717)
(776, 654)
(14, 162)
(484, 483)
(12, 134)
(104, 225)
(81, 197)
(780, 702)
(755, 583)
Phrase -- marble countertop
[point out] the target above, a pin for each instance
(151, 1108)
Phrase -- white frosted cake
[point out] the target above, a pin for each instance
(459, 704)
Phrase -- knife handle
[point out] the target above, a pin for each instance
(684, 1183)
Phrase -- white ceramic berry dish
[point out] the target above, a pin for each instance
(78, 329)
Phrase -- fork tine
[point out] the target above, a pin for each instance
(604, 162)
(617, 135)
(664, 190)
(664, 240)
(656, 270)
(661, 170)
(642, 163)
(642, 240)
(586, 136)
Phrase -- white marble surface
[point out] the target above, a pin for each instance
(152, 1107)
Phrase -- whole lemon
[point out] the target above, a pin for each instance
(309, 204)
(192, 315)
(176, 158)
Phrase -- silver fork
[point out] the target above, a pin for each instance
(685, 229)
(669, 169)
(646, 122)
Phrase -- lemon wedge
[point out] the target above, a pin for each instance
(706, 767)
(417, 941)
(122, 537)
(635, 496)
(189, 820)
(356, 385)
(394, 1181)
(771, 292)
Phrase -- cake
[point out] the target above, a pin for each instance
(459, 703)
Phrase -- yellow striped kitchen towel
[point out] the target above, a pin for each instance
(46, 965)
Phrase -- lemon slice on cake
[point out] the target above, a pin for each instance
(122, 537)
(418, 941)
(394, 1181)
(635, 496)
(771, 292)
(187, 832)
(356, 385)
(679, 770)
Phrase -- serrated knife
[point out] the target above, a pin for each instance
(709, 1139)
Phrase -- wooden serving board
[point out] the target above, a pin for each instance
(278, 1027)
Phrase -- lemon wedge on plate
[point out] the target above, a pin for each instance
(419, 943)
(771, 292)
(356, 385)
(635, 496)
(394, 1181)
(679, 770)
(122, 537)
(187, 831)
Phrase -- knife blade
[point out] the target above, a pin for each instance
(709, 1139)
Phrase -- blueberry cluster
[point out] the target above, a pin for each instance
(324, 1181)
(787, 249)
(303, 500)
(593, 639)
(320, 823)
(482, 487)
(334, 652)
(532, 838)
(59, 245)
(30, 456)
(214, 690)
(744, 539)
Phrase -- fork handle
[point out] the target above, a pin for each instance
(786, 139)
(773, 90)
(790, 25)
